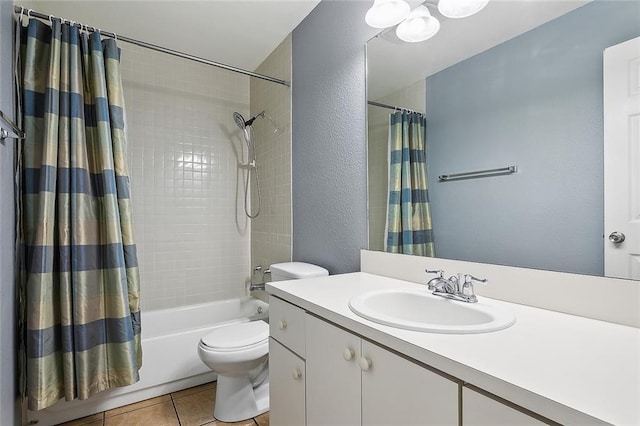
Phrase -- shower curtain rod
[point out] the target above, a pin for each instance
(32, 13)
(393, 107)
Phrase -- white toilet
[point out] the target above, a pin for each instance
(238, 353)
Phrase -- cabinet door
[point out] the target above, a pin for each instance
(395, 391)
(333, 381)
(286, 386)
(478, 410)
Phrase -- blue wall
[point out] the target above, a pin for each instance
(9, 404)
(329, 167)
(535, 102)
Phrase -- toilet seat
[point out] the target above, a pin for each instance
(237, 337)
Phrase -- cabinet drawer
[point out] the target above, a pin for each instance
(286, 325)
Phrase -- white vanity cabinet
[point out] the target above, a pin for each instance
(480, 410)
(351, 381)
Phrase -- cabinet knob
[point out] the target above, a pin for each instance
(365, 364)
(297, 374)
(282, 325)
(348, 354)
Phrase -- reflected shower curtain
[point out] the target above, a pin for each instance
(79, 277)
(408, 215)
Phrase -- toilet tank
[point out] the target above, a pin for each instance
(296, 270)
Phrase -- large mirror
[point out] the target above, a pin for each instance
(519, 84)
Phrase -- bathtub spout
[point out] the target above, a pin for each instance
(256, 286)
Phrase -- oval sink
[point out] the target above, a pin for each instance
(419, 310)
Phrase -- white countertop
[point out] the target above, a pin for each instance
(571, 369)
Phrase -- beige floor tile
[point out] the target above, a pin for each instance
(161, 414)
(138, 405)
(94, 420)
(196, 409)
(262, 419)
(195, 389)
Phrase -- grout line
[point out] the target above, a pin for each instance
(175, 409)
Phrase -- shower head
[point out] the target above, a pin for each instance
(239, 119)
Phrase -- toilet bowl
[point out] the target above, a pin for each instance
(238, 353)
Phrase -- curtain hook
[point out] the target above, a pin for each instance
(29, 13)
(115, 37)
(21, 15)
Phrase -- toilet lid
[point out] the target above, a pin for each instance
(237, 335)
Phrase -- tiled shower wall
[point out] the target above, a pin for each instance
(192, 235)
(271, 230)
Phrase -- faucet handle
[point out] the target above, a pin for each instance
(467, 288)
(469, 278)
(434, 282)
(440, 272)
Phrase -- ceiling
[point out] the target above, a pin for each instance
(240, 33)
(393, 64)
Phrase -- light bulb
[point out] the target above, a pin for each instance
(386, 13)
(460, 8)
(419, 26)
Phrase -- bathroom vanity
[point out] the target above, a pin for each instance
(330, 366)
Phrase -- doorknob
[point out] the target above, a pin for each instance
(616, 237)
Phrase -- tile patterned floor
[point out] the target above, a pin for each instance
(189, 407)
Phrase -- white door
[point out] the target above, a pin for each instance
(622, 160)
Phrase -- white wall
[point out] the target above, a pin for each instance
(192, 235)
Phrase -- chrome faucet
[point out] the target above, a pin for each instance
(259, 285)
(453, 287)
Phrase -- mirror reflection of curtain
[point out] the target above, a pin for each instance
(409, 229)
(80, 284)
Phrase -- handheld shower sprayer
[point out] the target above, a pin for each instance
(247, 130)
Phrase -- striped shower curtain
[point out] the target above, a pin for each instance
(79, 284)
(409, 228)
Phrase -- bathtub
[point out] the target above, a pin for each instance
(170, 359)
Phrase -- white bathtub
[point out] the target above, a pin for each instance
(170, 359)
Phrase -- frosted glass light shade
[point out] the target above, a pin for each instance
(419, 26)
(386, 13)
(460, 8)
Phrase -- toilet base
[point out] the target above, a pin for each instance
(237, 399)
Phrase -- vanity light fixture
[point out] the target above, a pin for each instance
(460, 8)
(418, 26)
(387, 13)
